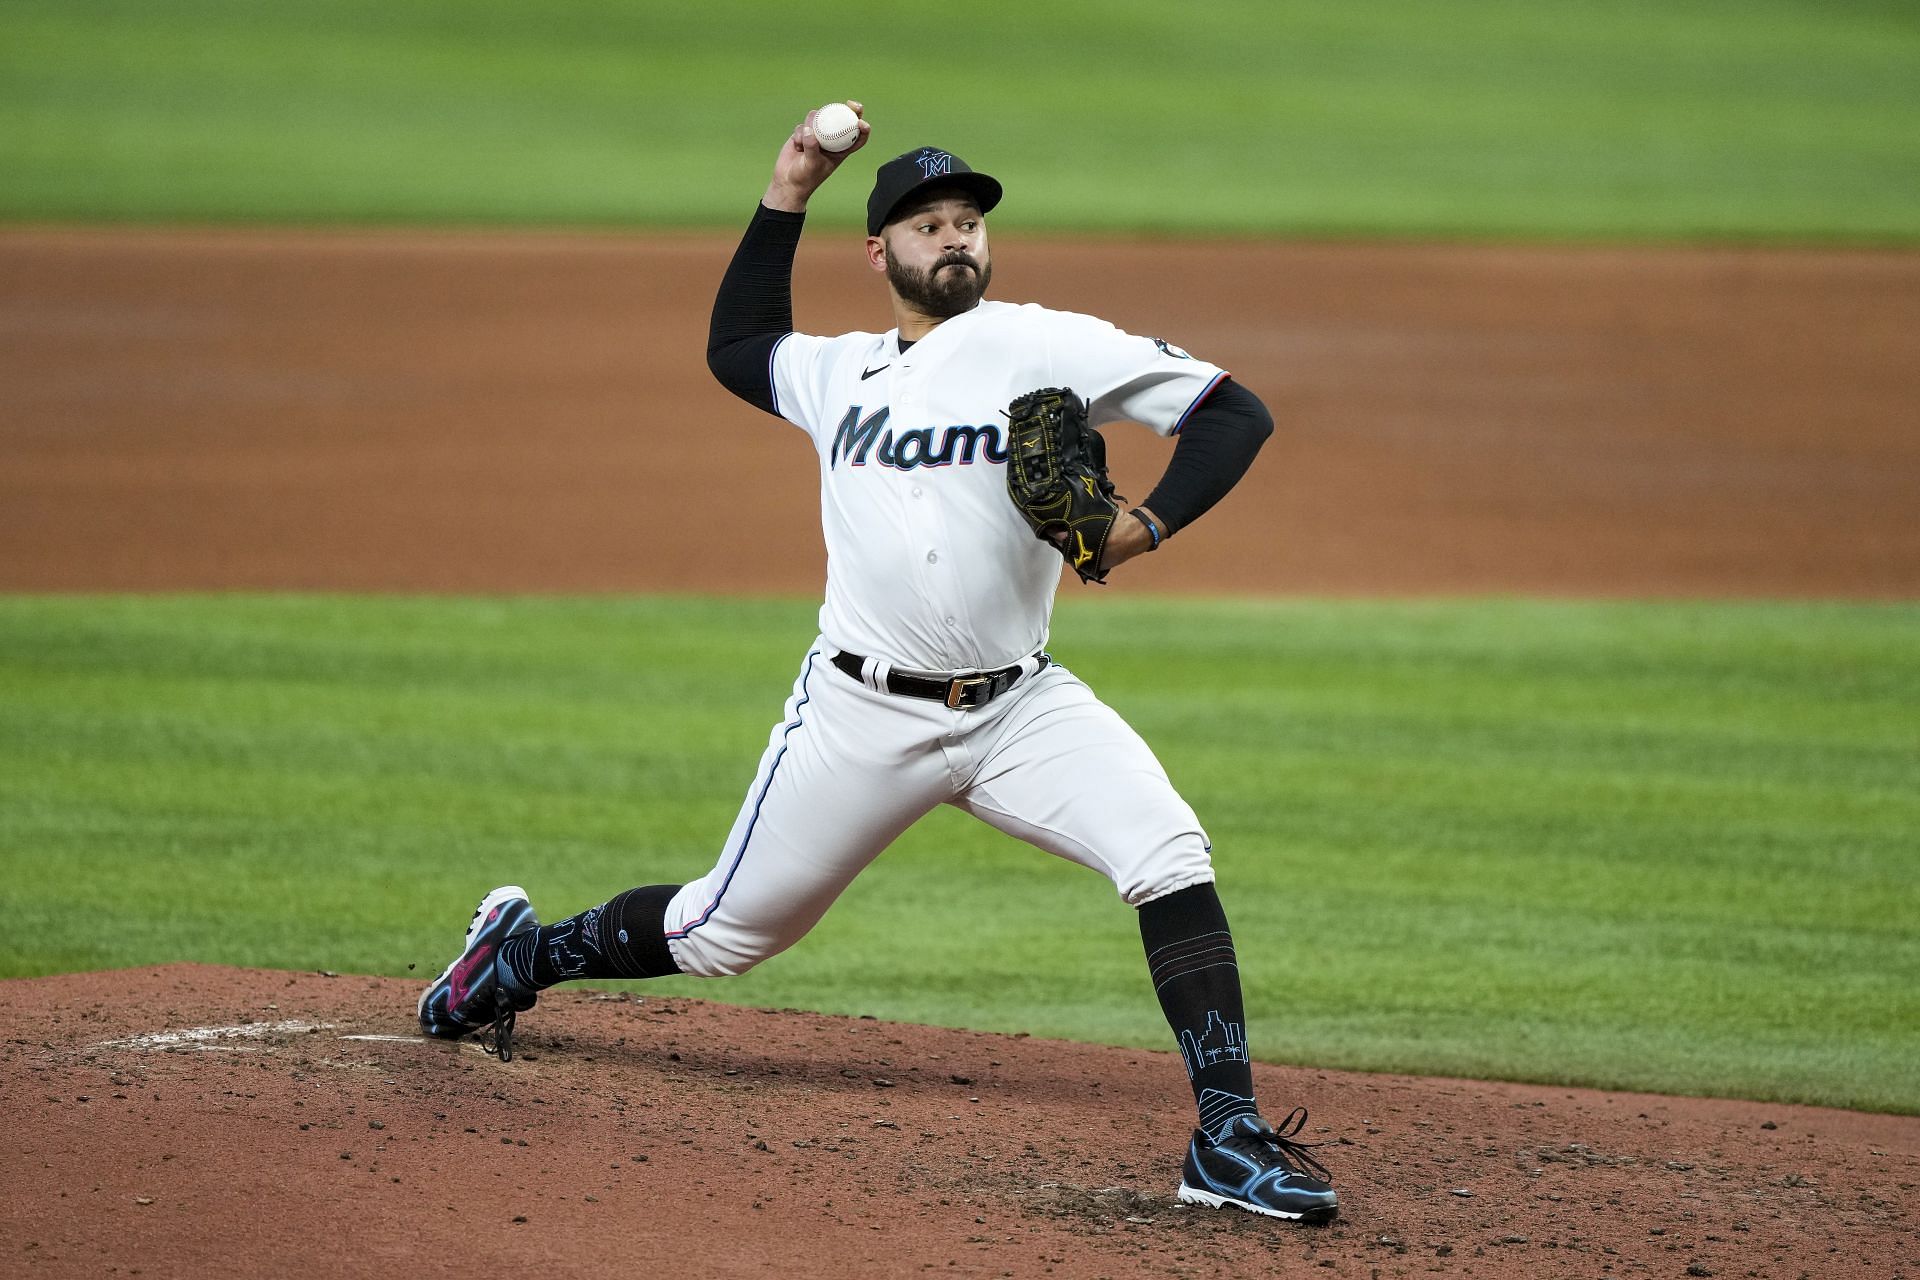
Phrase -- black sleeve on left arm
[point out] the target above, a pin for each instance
(1216, 446)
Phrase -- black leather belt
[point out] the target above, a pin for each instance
(974, 689)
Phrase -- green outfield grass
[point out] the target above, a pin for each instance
(1764, 119)
(1657, 846)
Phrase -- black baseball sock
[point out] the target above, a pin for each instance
(1190, 958)
(623, 938)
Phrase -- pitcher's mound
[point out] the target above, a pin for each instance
(217, 1122)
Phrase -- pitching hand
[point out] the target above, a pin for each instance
(802, 166)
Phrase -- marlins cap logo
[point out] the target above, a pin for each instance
(934, 164)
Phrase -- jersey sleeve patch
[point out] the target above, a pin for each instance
(1126, 377)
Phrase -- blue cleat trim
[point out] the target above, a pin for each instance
(1259, 1169)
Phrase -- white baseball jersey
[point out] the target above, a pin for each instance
(931, 569)
(928, 563)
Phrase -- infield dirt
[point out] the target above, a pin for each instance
(527, 413)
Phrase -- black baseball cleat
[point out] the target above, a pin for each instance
(469, 996)
(1256, 1167)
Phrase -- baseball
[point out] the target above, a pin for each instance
(836, 127)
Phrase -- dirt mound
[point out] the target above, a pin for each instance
(217, 1122)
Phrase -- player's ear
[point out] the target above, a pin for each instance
(876, 253)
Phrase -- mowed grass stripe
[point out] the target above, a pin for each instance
(1494, 118)
(1658, 846)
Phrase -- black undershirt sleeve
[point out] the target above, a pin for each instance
(1216, 446)
(754, 308)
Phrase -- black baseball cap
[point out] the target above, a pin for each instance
(923, 167)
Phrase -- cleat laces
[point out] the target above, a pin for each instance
(1278, 1142)
(496, 1038)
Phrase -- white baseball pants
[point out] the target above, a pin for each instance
(850, 768)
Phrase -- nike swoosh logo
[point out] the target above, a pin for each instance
(870, 372)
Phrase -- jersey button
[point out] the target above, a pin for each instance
(933, 557)
(952, 621)
(916, 491)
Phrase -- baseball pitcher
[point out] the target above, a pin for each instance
(960, 466)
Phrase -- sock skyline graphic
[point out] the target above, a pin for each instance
(1220, 1041)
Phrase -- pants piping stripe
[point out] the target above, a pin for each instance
(746, 837)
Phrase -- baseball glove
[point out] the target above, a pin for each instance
(1057, 477)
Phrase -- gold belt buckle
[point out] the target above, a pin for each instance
(958, 687)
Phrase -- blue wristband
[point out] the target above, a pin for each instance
(1153, 530)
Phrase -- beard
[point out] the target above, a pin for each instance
(937, 291)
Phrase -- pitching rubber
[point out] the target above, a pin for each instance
(1194, 1195)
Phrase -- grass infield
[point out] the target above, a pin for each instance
(1653, 846)
(1637, 119)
